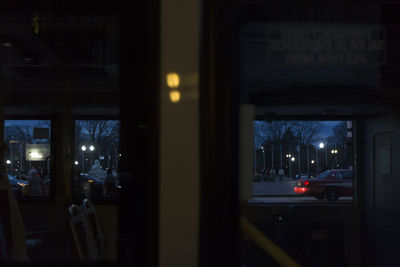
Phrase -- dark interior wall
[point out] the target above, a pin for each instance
(379, 199)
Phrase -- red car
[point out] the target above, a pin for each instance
(328, 185)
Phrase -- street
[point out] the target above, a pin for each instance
(296, 199)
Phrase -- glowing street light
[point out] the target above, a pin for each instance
(91, 148)
(76, 162)
(321, 145)
(83, 158)
(8, 161)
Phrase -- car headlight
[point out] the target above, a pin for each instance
(21, 184)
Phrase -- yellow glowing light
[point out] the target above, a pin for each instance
(174, 96)
(173, 80)
(90, 181)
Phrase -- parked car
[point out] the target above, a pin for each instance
(302, 176)
(17, 185)
(329, 185)
(89, 183)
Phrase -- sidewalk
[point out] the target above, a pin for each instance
(278, 188)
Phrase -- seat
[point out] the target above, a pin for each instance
(87, 232)
(95, 227)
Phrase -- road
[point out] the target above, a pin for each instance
(300, 199)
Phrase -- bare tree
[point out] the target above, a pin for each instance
(104, 134)
(307, 131)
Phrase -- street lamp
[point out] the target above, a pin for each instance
(91, 148)
(9, 163)
(321, 145)
(289, 157)
(76, 162)
(83, 158)
(334, 151)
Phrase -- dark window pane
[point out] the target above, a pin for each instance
(96, 163)
(28, 157)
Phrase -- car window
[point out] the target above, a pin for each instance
(323, 175)
(348, 175)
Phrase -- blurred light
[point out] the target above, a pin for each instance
(312, 162)
(91, 148)
(173, 80)
(174, 96)
(120, 155)
(293, 159)
(7, 44)
(36, 155)
(306, 183)
(8, 161)
(262, 148)
(321, 145)
(90, 181)
(76, 162)
(21, 184)
(83, 148)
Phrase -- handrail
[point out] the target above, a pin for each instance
(266, 244)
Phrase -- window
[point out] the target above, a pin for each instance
(297, 161)
(96, 162)
(28, 157)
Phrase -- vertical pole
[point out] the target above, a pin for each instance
(316, 158)
(272, 156)
(299, 171)
(326, 157)
(263, 151)
(281, 154)
(83, 162)
(116, 159)
(11, 158)
(308, 161)
(335, 156)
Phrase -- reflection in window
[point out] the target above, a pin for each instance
(303, 161)
(28, 157)
(97, 157)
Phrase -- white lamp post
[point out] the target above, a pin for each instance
(91, 148)
(83, 148)
(289, 157)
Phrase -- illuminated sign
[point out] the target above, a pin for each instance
(37, 152)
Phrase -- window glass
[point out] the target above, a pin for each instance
(348, 175)
(97, 156)
(28, 157)
(295, 159)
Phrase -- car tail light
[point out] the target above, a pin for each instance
(300, 189)
(306, 183)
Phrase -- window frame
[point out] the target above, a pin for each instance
(74, 118)
(53, 172)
